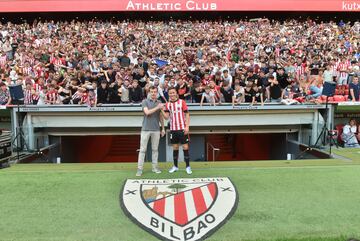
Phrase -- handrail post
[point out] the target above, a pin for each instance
(213, 151)
(207, 151)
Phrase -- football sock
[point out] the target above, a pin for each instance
(187, 158)
(176, 155)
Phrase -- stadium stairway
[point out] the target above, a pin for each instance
(226, 145)
(123, 148)
(235, 147)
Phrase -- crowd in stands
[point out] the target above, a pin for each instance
(104, 62)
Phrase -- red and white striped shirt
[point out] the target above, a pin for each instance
(77, 95)
(26, 70)
(343, 67)
(85, 98)
(52, 58)
(58, 61)
(177, 111)
(3, 60)
(52, 96)
(335, 69)
(28, 98)
(300, 69)
(39, 71)
(38, 88)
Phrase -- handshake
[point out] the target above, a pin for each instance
(161, 106)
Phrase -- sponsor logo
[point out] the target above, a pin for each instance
(190, 5)
(179, 209)
(351, 6)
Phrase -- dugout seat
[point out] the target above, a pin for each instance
(339, 128)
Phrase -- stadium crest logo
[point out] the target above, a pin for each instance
(179, 209)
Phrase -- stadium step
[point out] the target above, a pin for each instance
(123, 149)
(225, 144)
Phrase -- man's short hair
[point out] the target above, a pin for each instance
(153, 88)
(172, 88)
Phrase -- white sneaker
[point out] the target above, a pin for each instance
(156, 170)
(139, 173)
(173, 169)
(188, 170)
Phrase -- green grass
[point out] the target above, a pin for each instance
(279, 201)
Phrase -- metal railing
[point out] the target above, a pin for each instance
(213, 149)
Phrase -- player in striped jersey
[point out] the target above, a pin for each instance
(177, 111)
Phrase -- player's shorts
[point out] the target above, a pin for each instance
(179, 137)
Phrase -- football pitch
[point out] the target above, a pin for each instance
(278, 200)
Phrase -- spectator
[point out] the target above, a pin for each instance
(227, 77)
(196, 93)
(136, 95)
(92, 98)
(124, 92)
(316, 86)
(249, 92)
(282, 78)
(163, 91)
(354, 88)
(52, 96)
(239, 95)
(114, 89)
(274, 90)
(124, 60)
(102, 93)
(349, 135)
(227, 92)
(258, 94)
(328, 74)
(5, 98)
(64, 94)
(216, 90)
(218, 51)
(183, 89)
(208, 96)
(28, 94)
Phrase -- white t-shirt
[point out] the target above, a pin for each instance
(41, 100)
(328, 76)
(349, 129)
(228, 79)
(209, 97)
(239, 94)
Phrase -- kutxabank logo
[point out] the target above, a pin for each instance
(179, 209)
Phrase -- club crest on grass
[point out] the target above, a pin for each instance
(179, 209)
